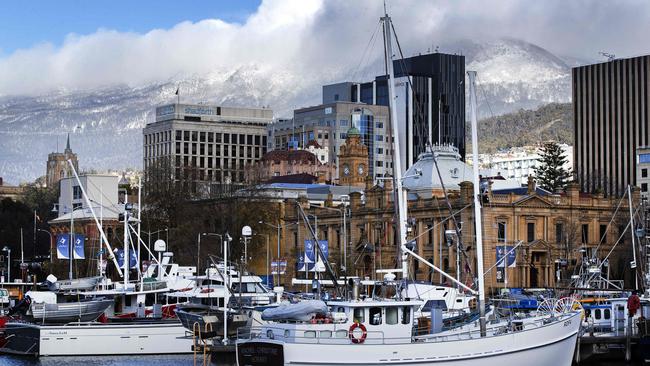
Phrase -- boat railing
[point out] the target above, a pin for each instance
(516, 325)
(316, 336)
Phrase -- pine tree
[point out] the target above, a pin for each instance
(550, 173)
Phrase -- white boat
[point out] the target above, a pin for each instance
(381, 333)
(91, 339)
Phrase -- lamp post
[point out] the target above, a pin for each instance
(277, 227)
(226, 285)
(198, 252)
(8, 250)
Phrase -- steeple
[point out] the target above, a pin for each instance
(67, 146)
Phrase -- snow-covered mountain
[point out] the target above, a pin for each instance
(105, 124)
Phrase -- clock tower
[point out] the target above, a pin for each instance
(353, 160)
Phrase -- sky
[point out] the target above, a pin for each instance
(47, 46)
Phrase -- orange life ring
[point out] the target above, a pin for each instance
(363, 335)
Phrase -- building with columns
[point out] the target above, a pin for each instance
(551, 231)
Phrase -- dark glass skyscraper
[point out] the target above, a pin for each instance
(431, 109)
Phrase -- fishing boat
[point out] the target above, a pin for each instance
(381, 332)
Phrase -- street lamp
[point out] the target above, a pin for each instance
(277, 227)
(8, 250)
(198, 249)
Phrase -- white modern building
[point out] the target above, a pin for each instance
(207, 144)
(519, 162)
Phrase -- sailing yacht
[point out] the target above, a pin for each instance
(381, 332)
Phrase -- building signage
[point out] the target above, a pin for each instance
(165, 110)
(198, 110)
(63, 246)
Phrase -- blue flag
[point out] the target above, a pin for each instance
(310, 250)
(512, 256)
(63, 246)
(78, 252)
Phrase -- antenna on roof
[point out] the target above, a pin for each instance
(610, 56)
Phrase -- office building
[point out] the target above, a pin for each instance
(328, 124)
(207, 145)
(430, 94)
(643, 170)
(610, 105)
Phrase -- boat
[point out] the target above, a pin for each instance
(75, 284)
(204, 304)
(47, 307)
(93, 338)
(382, 332)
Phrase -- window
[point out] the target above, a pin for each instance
(380, 150)
(644, 173)
(359, 315)
(76, 192)
(391, 315)
(325, 334)
(310, 334)
(608, 314)
(380, 124)
(341, 333)
(501, 232)
(585, 233)
(343, 136)
(374, 316)
(597, 314)
(406, 315)
(559, 232)
(603, 232)
(644, 158)
(343, 122)
(531, 231)
(379, 138)
(644, 187)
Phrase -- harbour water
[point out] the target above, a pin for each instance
(175, 360)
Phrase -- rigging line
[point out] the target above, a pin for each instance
(442, 221)
(480, 85)
(363, 55)
(619, 239)
(608, 225)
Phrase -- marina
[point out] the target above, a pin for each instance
(365, 230)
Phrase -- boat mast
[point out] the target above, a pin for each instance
(632, 231)
(399, 193)
(477, 202)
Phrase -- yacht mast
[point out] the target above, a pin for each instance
(399, 193)
(477, 202)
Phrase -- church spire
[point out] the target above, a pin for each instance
(67, 145)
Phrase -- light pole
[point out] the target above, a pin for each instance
(8, 250)
(50, 234)
(198, 257)
(226, 285)
(277, 227)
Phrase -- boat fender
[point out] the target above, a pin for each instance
(364, 333)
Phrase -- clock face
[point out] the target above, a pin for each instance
(361, 169)
(346, 169)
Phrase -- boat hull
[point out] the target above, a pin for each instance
(552, 344)
(84, 311)
(97, 339)
(210, 321)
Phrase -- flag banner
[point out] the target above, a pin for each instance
(310, 250)
(133, 262)
(78, 251)
(280, 266)
(512, 256)
(63, 246)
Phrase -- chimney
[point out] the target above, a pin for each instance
(531, 185)
(573, 192)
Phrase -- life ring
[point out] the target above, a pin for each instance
(363, 335)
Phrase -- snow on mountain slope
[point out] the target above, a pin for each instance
(105, 124)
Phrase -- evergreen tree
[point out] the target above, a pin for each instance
(550, 173)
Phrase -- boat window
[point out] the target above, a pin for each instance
(391, 315)
(608, 314)
(310, 334)
(597, 313)
(459, 300)
(325, 334)
(340, 309)
(359, 315)
(375, 316)
(127, 300)
(406, 315)
(341, 333)
(287, 333)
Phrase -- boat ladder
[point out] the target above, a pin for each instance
(200, 339)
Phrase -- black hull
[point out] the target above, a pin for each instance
(22, 340)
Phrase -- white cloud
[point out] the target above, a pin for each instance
(317, 37)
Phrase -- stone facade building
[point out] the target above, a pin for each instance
(58, 167)
(278, 163)
(553, 231)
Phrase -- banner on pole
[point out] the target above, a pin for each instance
(78, 251)
(279, 266)
(512, 256)
(310, 250)
(63, 246)
(133, 262)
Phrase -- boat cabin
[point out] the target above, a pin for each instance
(374, 322)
